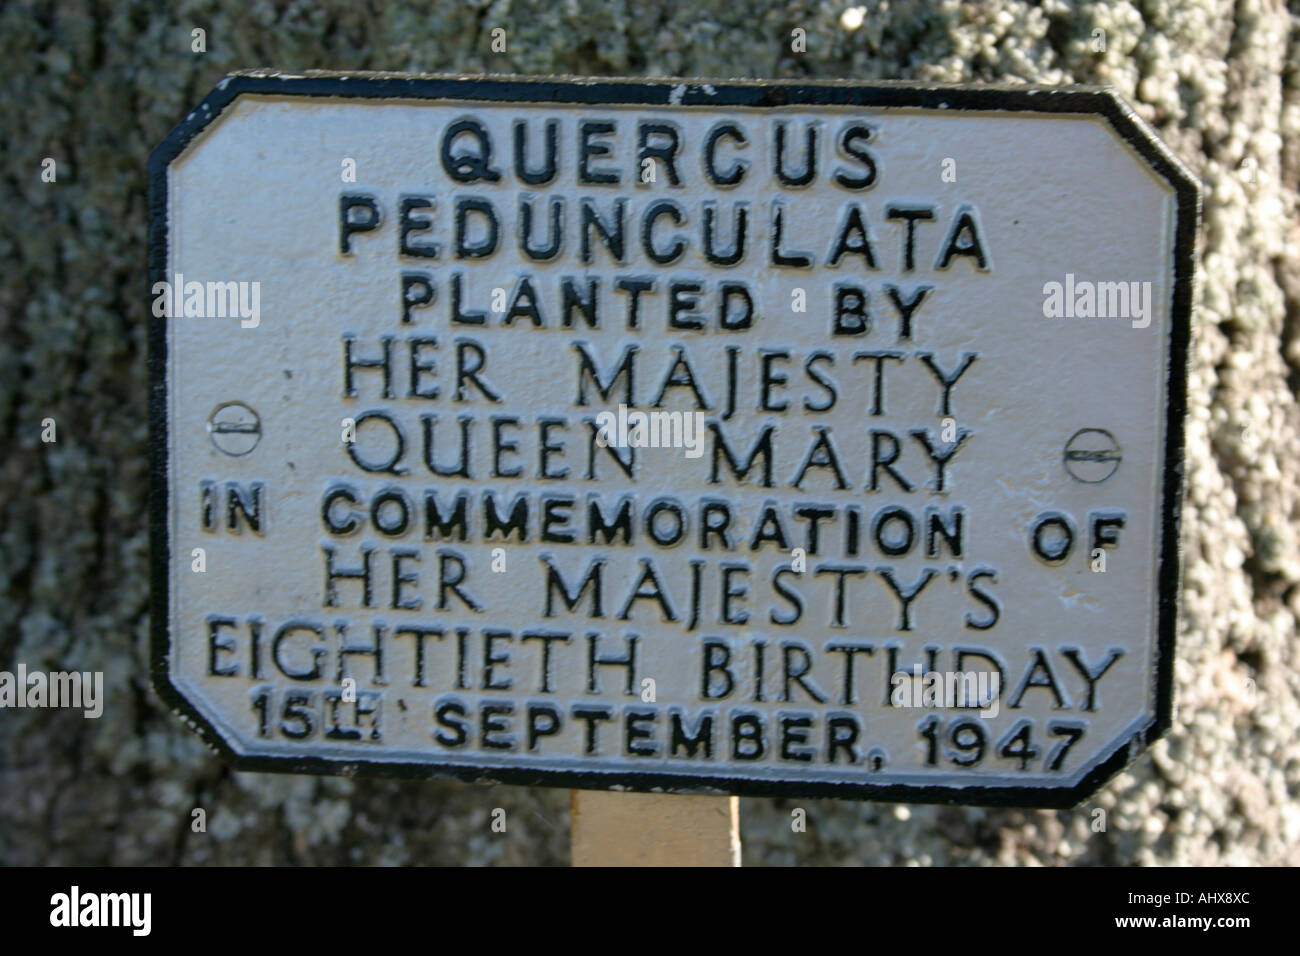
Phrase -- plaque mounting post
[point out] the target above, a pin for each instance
(653, 829)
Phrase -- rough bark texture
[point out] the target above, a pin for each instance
(97, 85)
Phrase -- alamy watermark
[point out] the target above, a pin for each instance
(946, 690)
(1084, 299)
(75, 908)
(637, 429)
(79, 690)
(208, 300)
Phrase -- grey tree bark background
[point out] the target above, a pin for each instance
(96, 85)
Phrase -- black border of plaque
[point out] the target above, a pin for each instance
(679, 93)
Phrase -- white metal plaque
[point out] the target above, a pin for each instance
(757, 438)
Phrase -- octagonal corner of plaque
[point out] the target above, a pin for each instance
(196, 711)
(223, 101)
(1139, 141)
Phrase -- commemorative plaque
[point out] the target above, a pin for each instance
(746, 437)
